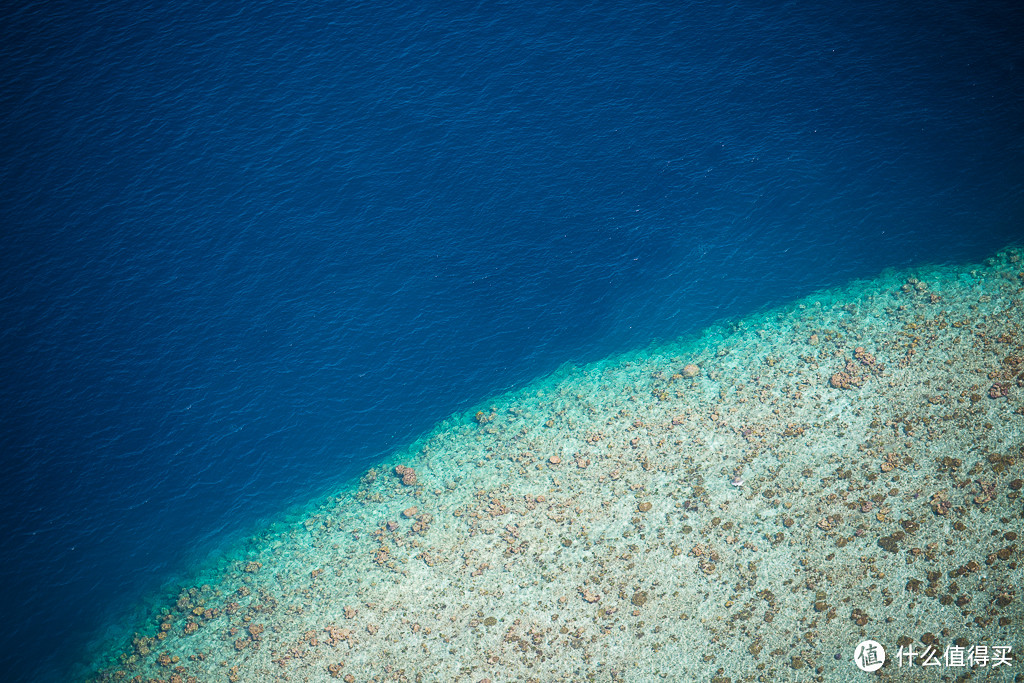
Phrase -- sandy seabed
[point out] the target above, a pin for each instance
(746, 506)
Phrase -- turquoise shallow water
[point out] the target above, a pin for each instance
(251, 251)
(791, 482)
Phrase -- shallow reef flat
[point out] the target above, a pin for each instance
(745, 506)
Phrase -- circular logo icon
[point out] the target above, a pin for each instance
(869, 655)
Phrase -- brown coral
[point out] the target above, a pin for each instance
(866, 358)
(999, 390)
(840, 380)
(847, 377)
(336, 634)
(407, 474)
(940, 502)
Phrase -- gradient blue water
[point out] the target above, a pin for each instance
(249, 247)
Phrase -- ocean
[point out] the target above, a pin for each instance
(251, 249)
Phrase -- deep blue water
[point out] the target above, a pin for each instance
(250, 247)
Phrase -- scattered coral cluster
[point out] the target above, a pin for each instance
(746, 506)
